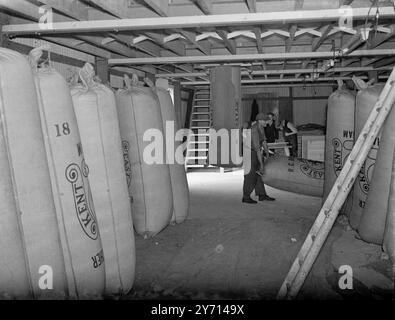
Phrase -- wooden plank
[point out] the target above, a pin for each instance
(318, 41)
(285, 80)
(339, 196)
(159, 6)
(205, 5)
(251, 4)
(292, 31)
(355, 41)
(83, 47)
(376, 39)
(123, 38)
(290, 40)
(101, 5)
(229, 44)
(188, 116)
(102, 70)
(250, 57)
(122, 47)
(159, 40)
(191, 36)
(73, 14)
(329, 211)
(280, 71)
(162, 8)
(25, 49)
(3, 20)
(228, 20)
(32, 13)
(259, 41)
(389, 235)
(385, 62)
(325, 30)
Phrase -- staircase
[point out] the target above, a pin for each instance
(199, 139)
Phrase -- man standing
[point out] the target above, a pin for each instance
(271, 131)
(253, 160)
(290, 136)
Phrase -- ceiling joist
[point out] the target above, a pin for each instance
(302, 39)
(229, 44)
(205, 5)
(31, 12)
(278, 72)
(285, 80)
(208, 21)
(250, 57)
(251, 4)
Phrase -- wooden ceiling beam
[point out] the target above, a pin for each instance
(292, 31)
(228, 20)
(102, 6)
(356, 40)
(285, 80)
(250, 57)
(191, 37)
(259, 41)
(251, 4)
(159, 40)
(205, 5)
(345, 2)
(30, 11)
(280, 71)
(79, 45)
(290, 40)
(160, 7)
(317, 42)
(229, 44)
(385, 62)
(376, 39)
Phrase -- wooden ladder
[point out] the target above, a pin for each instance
(342, 186)
(200, 123)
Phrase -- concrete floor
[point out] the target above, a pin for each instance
(230, 250)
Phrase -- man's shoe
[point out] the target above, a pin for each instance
(249, 200)
(267, 198)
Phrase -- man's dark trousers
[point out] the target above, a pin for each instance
(252, 180)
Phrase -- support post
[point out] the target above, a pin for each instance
(150, 76)
(102, 69)
(3, 39)
(177, 101)
(189, 109)
(389, 235)
(373, 75)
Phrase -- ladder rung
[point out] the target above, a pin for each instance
(201, 120)
(197, 150)
(196, 128)
(195, 165)
(200, 135)
(199, 142)
(197, 158)
(201, 113)
(200, 106)
(202, 99)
